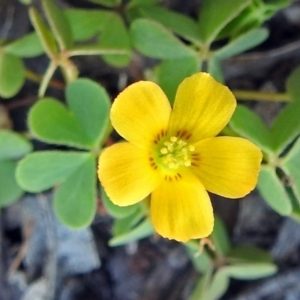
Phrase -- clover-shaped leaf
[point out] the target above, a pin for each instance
(50, 121)
(73, 172)
(220, 237)
(242, 43)
(248, 271)
(215, 15)
(142, 230)
(116, 211)
(187, 67)
(12, 75)
(59, 24)
(291, 165)
(166, 46)
(273, 191)
(46, 37)
(86, 23)
(12, 147)
(84, 126)
(179, 23)
(9, 189)
(90, 105)
(108, 3)
(115, 36)
(75, 199)
(249, 125)
(286, 127)
(26, 46)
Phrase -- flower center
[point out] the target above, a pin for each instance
(175, 153)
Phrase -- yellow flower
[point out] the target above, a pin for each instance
(173, 155)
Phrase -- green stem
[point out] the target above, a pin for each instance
(261, 96)
(34, 77)
(46, 78)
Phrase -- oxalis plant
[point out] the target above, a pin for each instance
(185, 133)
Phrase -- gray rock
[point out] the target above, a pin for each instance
(287, 242)
(73, 250)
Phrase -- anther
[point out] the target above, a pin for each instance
(176, 152)
(163, 150)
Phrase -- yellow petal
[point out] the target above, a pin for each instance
(202, 107)
(126, 175)
(181, 209)
(228, 166)
(140, 113)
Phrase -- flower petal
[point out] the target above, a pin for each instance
(181, 209)
(202, 107)
(141, 112)
(126, 175)
(228, 166)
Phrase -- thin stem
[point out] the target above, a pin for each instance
(69, 70)
(91, 51)
(261, 96)
(30, 75)
(46, 78)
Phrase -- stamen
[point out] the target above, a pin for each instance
(175, 153)
(163, 150)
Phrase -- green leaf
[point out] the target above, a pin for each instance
(215, 69)
(153, 40)
(169, 84)
(116, 211)
(43, 32)
(26, 46)
(115, 36)
(12, 75)
(142, 3)
(215, 15)
(253, 16)
(244, 42)
(108, 3)
(249, 254)
(9, 189)
(59, 24)
(86, 23)
(178, 23)
(286, 127)
(50, 121)
(249, 125)
(293, 86)
(143, 230)
(220, 237)
(273, 191)
(90, 104)
(13, 145)
(25, 2)
(291, 166)
(200, 292)
(126, 224)
(201, 261)
(75, 198)
(39, 171)
(218, 286)
(250, 271)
